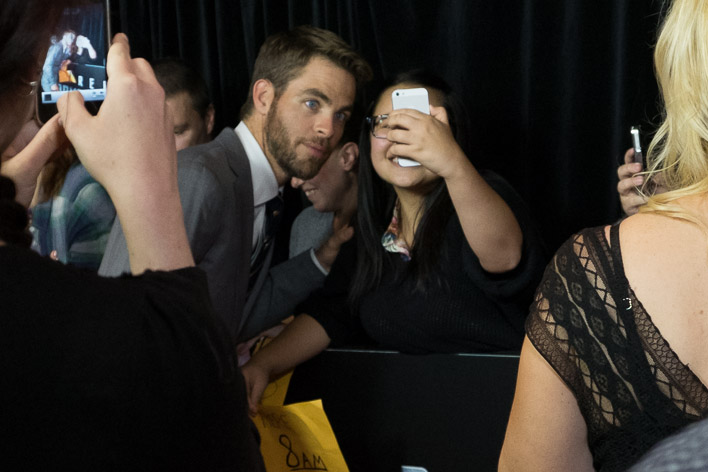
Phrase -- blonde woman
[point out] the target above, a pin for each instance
(615, 357)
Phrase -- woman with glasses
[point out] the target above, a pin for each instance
(445, 258)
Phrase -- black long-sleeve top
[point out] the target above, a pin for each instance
(472, 310)
(134, 373)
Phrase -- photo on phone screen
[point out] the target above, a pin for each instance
(76, 58)
(414, 99)
(637, 144)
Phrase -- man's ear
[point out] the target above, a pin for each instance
(263, 95)
(209, 119)
(349, 155)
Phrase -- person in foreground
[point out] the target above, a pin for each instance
(107, 374)
(615, 355)
(444, 260)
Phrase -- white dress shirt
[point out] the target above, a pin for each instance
(265, 187)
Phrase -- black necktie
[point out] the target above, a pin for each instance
(273, 216)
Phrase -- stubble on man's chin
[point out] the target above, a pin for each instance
(283, 151)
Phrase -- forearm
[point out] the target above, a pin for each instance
(301, 340)
(490, 227)
(287, 284)
(154, 230)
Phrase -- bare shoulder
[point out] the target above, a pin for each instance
(666, 263)
(657, 232)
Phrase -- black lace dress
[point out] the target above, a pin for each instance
(588, 324)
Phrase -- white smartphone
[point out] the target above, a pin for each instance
(76, 59)
(414, 99)
(637, 144)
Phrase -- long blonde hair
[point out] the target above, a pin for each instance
(678, 155)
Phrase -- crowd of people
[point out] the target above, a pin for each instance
(133, 287)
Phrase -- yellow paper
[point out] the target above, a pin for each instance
(274, 394)
(298, 437)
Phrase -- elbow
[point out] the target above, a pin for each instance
(505, 259)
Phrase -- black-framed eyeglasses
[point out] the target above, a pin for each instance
(378, 125)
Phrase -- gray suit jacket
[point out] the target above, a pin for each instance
(217, 199)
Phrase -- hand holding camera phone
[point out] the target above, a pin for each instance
(415, 99)
(76, 58)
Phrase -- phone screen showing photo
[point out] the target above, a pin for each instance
(76, 58)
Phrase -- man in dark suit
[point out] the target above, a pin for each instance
(302, 91)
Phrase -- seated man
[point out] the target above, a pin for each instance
(187, 98)
(302, 91)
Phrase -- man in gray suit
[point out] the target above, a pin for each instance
(302, 91)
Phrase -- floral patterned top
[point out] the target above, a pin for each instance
(390, 240)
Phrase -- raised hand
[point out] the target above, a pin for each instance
(130, 149)
(628, 184)
(426, 139)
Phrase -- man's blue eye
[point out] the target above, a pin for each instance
(341, 116)
(312, 104)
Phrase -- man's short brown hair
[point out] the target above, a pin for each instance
(283, 56)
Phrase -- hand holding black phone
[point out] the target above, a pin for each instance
(76, 58)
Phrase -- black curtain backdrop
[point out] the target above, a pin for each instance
(552, 86)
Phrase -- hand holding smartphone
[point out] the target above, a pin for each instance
(414, 99)
(76, 58)
(636, 143)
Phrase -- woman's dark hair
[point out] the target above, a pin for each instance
(25, 29)
(376, 200)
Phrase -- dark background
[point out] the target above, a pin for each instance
(553, 86)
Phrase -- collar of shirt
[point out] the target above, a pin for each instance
(265, 186)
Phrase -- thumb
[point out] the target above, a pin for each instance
(46, 142)
(74, 117)
(254, 397)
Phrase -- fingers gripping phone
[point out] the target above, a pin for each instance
(637, 144)
(76, 58)
(414, 99)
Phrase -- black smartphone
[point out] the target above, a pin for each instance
(637, 144)
(76, 58)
